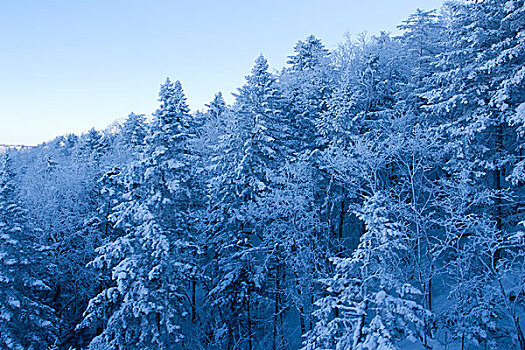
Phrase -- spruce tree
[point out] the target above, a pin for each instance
(369, 305)
(26, 322)
(153, 263)
(307, 86)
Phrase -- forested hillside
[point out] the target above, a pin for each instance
(369, 197)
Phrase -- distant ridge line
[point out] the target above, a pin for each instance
(5, 148)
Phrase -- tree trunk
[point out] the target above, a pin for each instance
(519, 331)
(497, 186)
(276, 309)
(302, 322)
(249, 324)
(342, 213)
(230, 338)
(193, 301)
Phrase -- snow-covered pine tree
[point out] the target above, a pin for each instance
(422, 43)
(92, 145)
(263, 129)
(216, 107)
(307, 85)
(476, 93)
(59, 187)
(26, 322)
(369, 305)
(134, 130)
(251, 150)
(153, 263)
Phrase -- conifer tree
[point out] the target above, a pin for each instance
(216, 107)
(307, 86)
(251, 153)
(262, 128)
(153, 263)
(26, 322)
(369, 306)
(133, 131)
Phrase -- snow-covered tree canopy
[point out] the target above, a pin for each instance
(368, 197)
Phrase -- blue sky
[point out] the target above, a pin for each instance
(68, 65)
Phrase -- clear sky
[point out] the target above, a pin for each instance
(68, 65)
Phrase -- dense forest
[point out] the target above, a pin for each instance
(368, 197)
